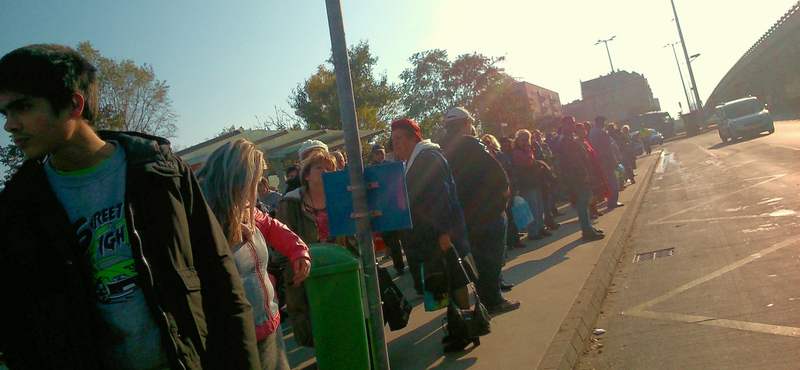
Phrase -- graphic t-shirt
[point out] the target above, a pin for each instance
(95, 203)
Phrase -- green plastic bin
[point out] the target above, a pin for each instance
(337, 312)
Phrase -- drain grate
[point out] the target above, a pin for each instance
(653, 255)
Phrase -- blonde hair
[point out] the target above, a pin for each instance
(518, 134)
(229, 180)
(317, 157)
(490, 140)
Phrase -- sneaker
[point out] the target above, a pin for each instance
(504, 306)
(593, 236)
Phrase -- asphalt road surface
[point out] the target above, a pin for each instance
(718, 286)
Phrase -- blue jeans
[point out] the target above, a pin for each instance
(488, 246)
(534, 199)
(613, 184)
(583, 199)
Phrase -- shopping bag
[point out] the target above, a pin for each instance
(522, 213)
(432, 301)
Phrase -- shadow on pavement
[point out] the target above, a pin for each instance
(421, 348)
(527, 270)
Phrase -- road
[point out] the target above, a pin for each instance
(726, 295)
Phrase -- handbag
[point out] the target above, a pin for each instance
(395, 306)
(522, 213)
(467, 323)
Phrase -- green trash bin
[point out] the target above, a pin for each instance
(337, 312)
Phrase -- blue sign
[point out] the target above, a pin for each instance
(386, 194)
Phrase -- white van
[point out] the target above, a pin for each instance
(742, 117)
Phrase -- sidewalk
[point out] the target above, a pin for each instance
(560, 281)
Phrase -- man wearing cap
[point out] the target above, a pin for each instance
(602, 144)
(573, 159)
(482, 187)
(378, 154)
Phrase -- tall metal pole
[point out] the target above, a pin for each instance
(688, 102)
(347, 106)
(607, 50)
(698, 104)
(609, 56)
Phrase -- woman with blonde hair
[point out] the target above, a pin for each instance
(229, 180)
(303, 210)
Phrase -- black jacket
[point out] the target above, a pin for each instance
(480, 179)
(49, 319)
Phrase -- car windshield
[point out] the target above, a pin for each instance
(743, 108)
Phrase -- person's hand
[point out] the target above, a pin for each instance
(302, 266)
(444, 242)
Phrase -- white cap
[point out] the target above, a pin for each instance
(457, 113)
(310, 144)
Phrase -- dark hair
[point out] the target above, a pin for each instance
(289, 170)
(53, 72)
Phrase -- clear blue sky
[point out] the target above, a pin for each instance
(229, 61)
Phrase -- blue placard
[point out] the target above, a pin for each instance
(388, 200)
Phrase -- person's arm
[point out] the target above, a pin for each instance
(286, 242)
(231, 340)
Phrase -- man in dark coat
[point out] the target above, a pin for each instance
(483, 189)
(575, 174)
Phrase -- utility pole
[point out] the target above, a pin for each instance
(689, 102)
(698, 104)
(347, 106)
(607, 51)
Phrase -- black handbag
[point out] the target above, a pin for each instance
(467, 323)
(396, 308)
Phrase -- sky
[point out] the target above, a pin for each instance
(235, 62)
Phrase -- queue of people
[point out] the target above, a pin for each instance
(147, 265)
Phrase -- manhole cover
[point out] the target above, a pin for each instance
(653, 255)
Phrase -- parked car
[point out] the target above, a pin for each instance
(742, 117)
(655, 139)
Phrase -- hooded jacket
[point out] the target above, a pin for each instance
(434, 205)
(49, 318)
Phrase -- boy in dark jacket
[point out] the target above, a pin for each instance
(110, 257)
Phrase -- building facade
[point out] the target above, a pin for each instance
(617, 96)
(543, 102)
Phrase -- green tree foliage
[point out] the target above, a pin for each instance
(434, 84)
(131, 98)
(499, 104)
(316, 100)
(11, 157)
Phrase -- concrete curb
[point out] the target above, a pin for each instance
(566, 349)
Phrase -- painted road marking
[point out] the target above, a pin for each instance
(707, 151)
(711, 219)
(718, 198)
(683, 186)
(641, 309)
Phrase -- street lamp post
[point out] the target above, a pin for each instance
(607, 51)
(683, 83)
(699, 105)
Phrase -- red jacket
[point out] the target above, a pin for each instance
(280, 237)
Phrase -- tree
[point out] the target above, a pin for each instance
(316, 101)
(12, 158)
(131, 98)
(433, 85)
(499, 104)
